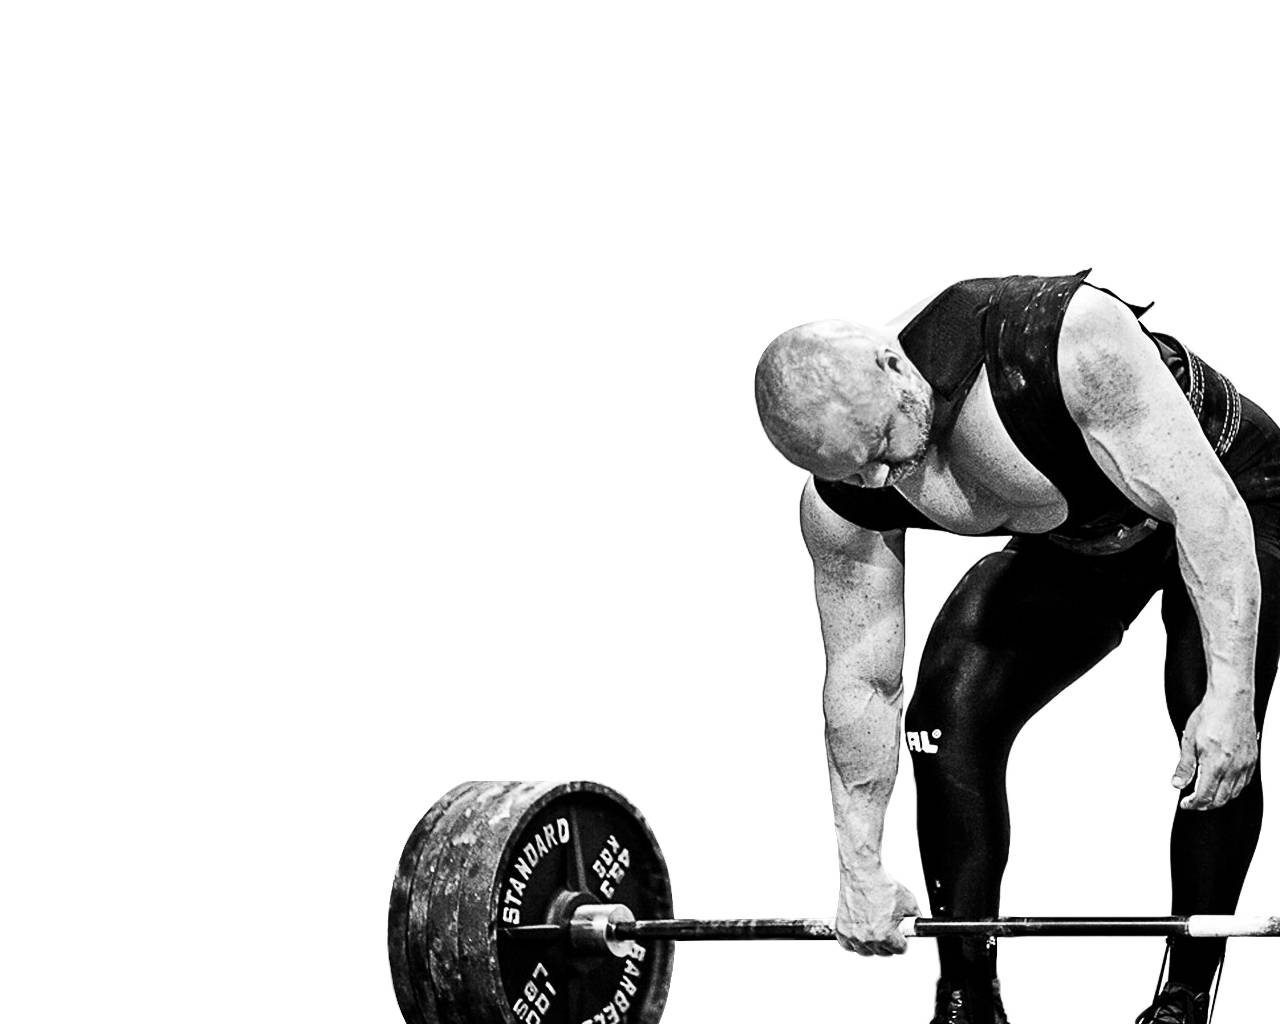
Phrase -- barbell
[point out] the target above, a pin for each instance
(550, 903)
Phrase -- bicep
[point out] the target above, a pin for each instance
(858, 584)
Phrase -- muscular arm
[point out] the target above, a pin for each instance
(1143, 434)
(858, 578)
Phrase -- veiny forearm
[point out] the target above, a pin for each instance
(1220, 569)
(862, 723)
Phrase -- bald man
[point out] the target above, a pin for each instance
(1119, 464)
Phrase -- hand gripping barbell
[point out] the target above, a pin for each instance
(550, 903)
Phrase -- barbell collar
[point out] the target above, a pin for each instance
(602, 927)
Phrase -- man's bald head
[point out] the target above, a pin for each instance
(832, 395)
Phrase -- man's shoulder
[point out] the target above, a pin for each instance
(1105, 359)
(1100, 329)
(1093, 315)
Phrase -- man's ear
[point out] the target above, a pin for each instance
(890, 359)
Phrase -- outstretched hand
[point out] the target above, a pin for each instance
(1219, 751)
(872, 906)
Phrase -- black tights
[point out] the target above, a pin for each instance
(1021, 626)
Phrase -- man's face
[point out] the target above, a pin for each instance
(884, 445)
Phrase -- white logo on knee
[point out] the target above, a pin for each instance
(921, 741)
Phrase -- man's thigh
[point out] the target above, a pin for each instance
(1025, 622)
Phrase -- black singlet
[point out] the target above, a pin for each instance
(1011, 326)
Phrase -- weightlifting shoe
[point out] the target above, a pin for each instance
(953, 1006)
(1176, 1004)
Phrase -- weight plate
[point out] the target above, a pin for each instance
(493, 855)
(417, 863)
(573, 838)
(467, 842)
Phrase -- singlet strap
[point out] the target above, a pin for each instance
(872, 508)
(944, 341)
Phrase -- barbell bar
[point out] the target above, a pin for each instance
(550, 903)
(596, 925)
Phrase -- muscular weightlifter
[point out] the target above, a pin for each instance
(1119, 464)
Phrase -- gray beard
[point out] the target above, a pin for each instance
(920, 412)
(899, 471)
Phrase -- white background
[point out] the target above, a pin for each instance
(377, 415)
